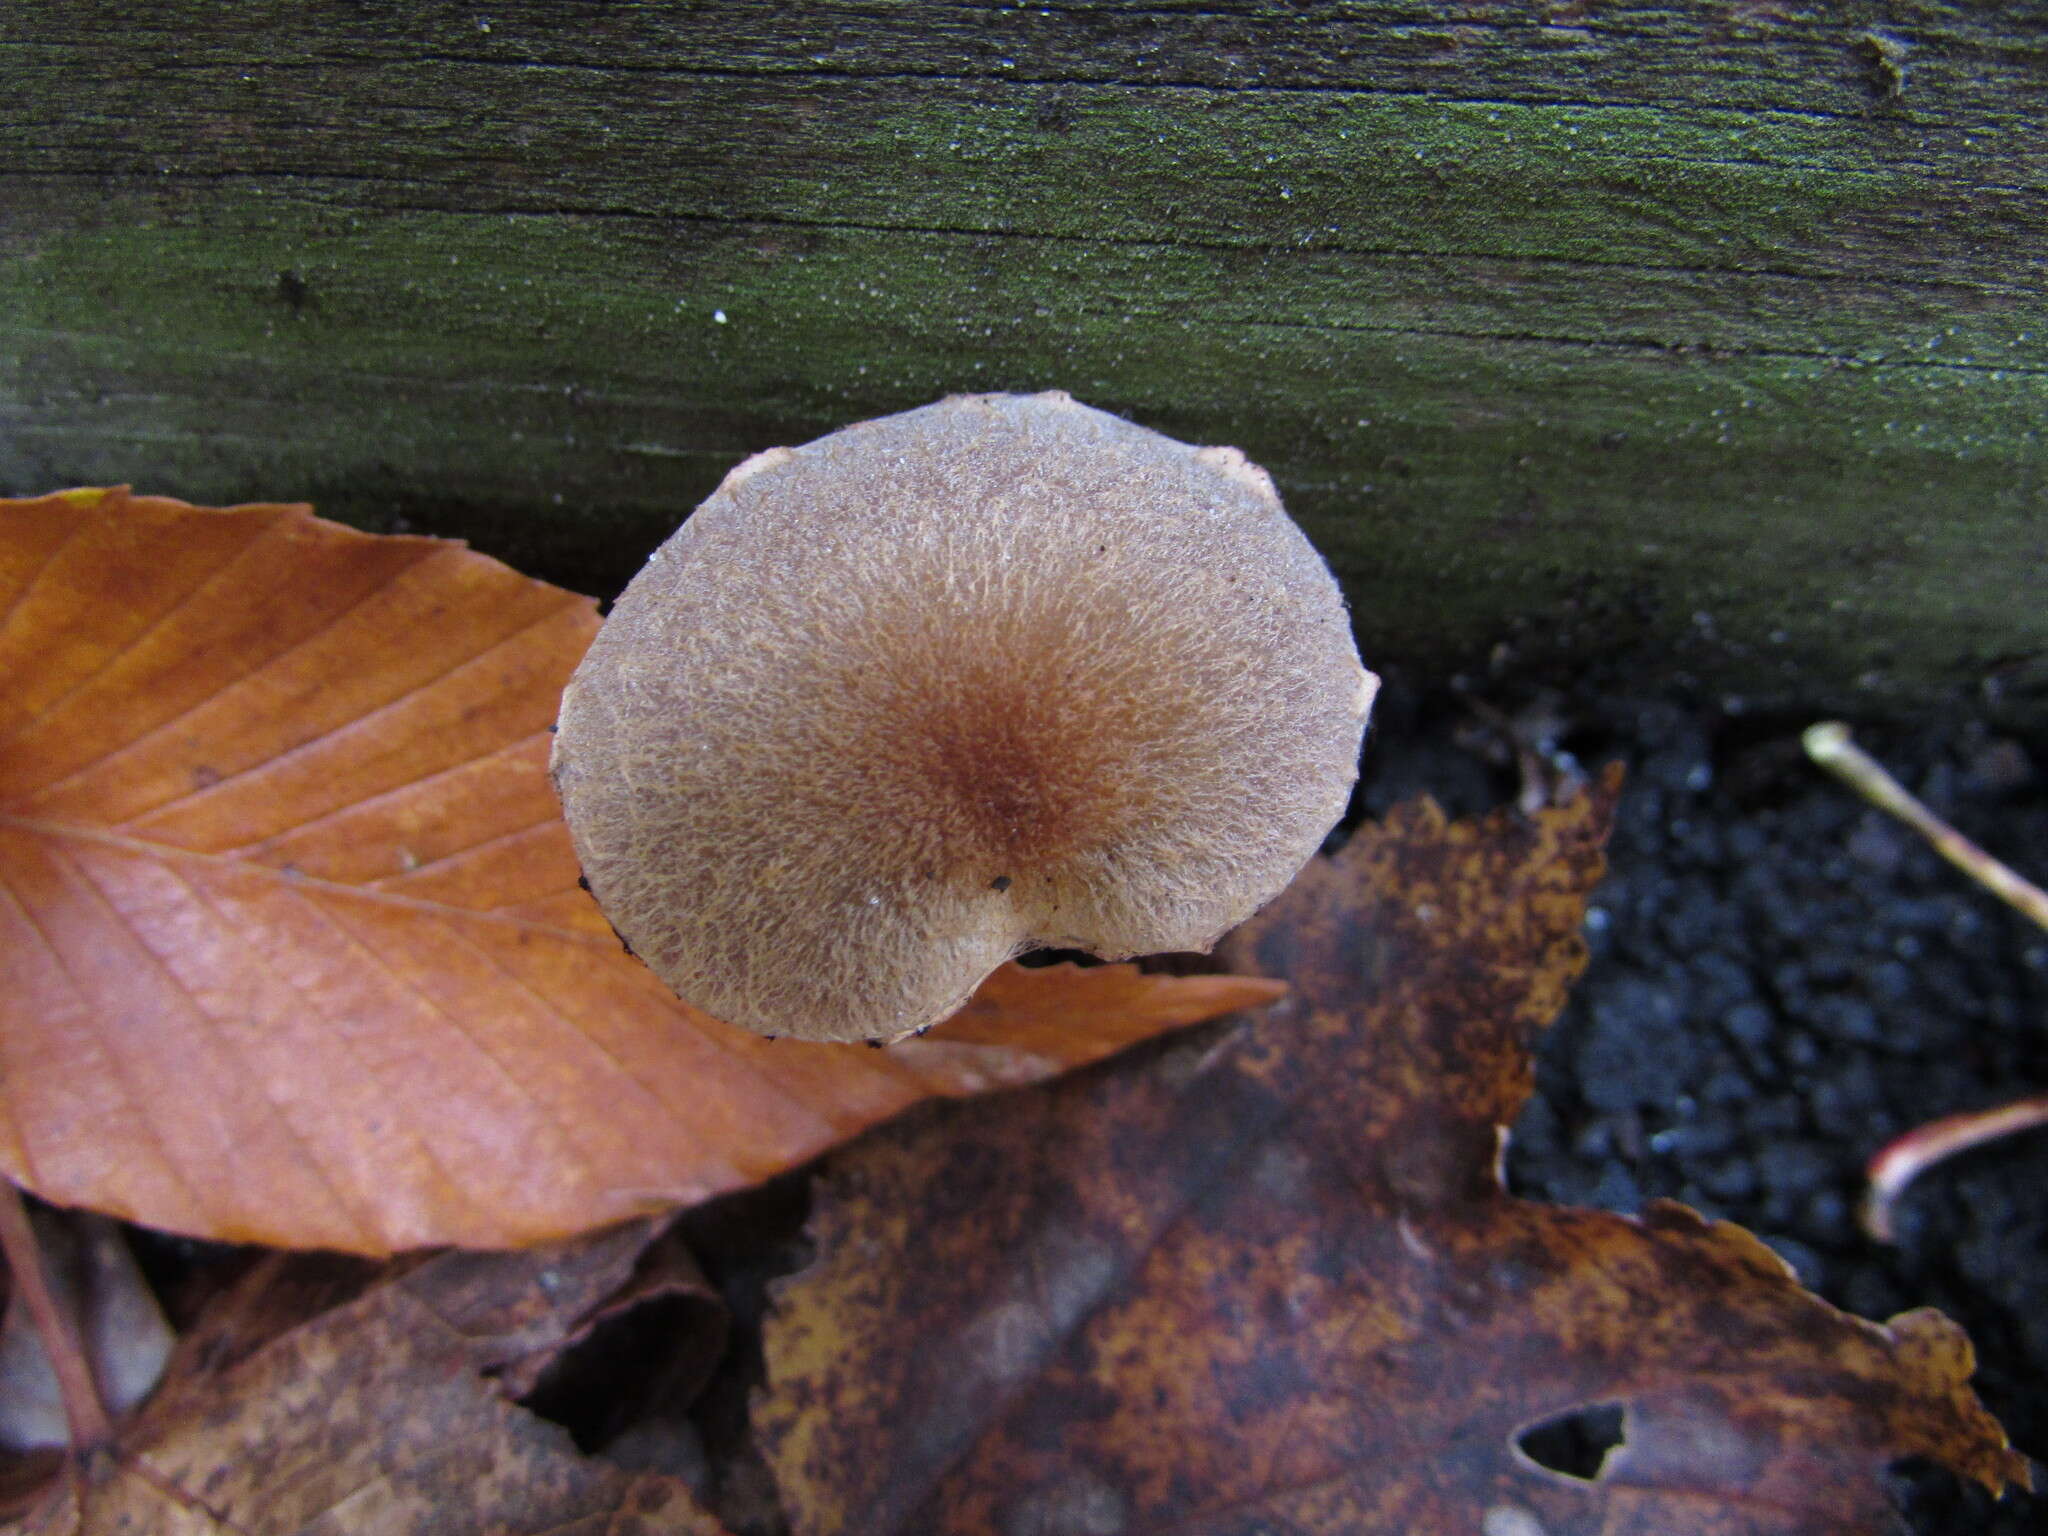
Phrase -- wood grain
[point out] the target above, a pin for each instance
(1595, 317)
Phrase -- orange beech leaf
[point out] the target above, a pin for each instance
(295, 948)
(1271, 1282)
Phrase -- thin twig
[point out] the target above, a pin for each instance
(1905, 1159)
(1912, 1154)
(1828, 744)
(84, 1413)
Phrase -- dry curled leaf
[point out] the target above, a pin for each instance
(109, 1308)
(292, 928)
(321, 1395)
(1276, 1285)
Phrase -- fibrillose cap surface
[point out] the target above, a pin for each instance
(900, 704)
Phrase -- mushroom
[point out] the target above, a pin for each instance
(1000, 673)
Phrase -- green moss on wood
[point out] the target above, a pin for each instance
(1657, 317)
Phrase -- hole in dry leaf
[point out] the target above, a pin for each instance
(1575, 1444)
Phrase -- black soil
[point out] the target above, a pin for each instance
(1783, 980)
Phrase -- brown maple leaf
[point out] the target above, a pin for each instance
(1276, 1285)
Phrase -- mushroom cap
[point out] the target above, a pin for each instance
(898, 705)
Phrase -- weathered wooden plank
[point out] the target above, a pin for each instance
(1657, 310)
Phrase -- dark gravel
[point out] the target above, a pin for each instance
(1782, 980)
